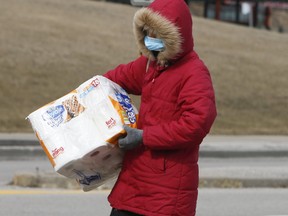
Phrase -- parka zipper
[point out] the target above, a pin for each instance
(147, 67)
(156, 72)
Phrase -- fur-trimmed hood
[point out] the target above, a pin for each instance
(169, 20)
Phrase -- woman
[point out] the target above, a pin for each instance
(160, 168)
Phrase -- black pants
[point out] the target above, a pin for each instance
(116, 212)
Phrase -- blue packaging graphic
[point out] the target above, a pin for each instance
(125, 102)
(54, 115)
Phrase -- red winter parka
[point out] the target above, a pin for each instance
(177, 111)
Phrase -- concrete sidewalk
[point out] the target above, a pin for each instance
(244, 146)
(213, 146)
(23, 146)
(19, 146)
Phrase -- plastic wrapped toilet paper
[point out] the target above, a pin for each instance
(79, 131)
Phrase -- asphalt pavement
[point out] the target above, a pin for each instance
(211, 202)
(229, 148)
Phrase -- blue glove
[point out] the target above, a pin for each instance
(133, 138)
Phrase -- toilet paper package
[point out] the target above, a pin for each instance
(79, 131)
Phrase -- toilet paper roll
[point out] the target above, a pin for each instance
(79, 131)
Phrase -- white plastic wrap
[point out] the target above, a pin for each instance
(79, 131)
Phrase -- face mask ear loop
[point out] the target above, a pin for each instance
(147, 65)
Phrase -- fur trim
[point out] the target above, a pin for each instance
(146, 20)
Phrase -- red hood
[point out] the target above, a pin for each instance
(171, 21)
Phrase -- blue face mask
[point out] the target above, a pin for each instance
(154, 44)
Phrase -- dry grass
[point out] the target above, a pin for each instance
(49, 47)
(249, 68)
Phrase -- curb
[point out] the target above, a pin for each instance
(242, 183)
(244, 146)
(51, 180)
(241, 153)
(54, 180)
(18, 139)
(25, 146)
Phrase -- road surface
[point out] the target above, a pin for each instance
(211, 202)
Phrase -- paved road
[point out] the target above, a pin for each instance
(211, 202)
(31, 202)
(261, 167)
(11, 167)
(242, 202)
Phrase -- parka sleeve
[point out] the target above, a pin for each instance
(129, 76)
(198, 112)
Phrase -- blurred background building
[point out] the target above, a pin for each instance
(263, 14)
(257, 13)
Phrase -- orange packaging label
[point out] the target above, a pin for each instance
(46, 151)
(127, 117)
